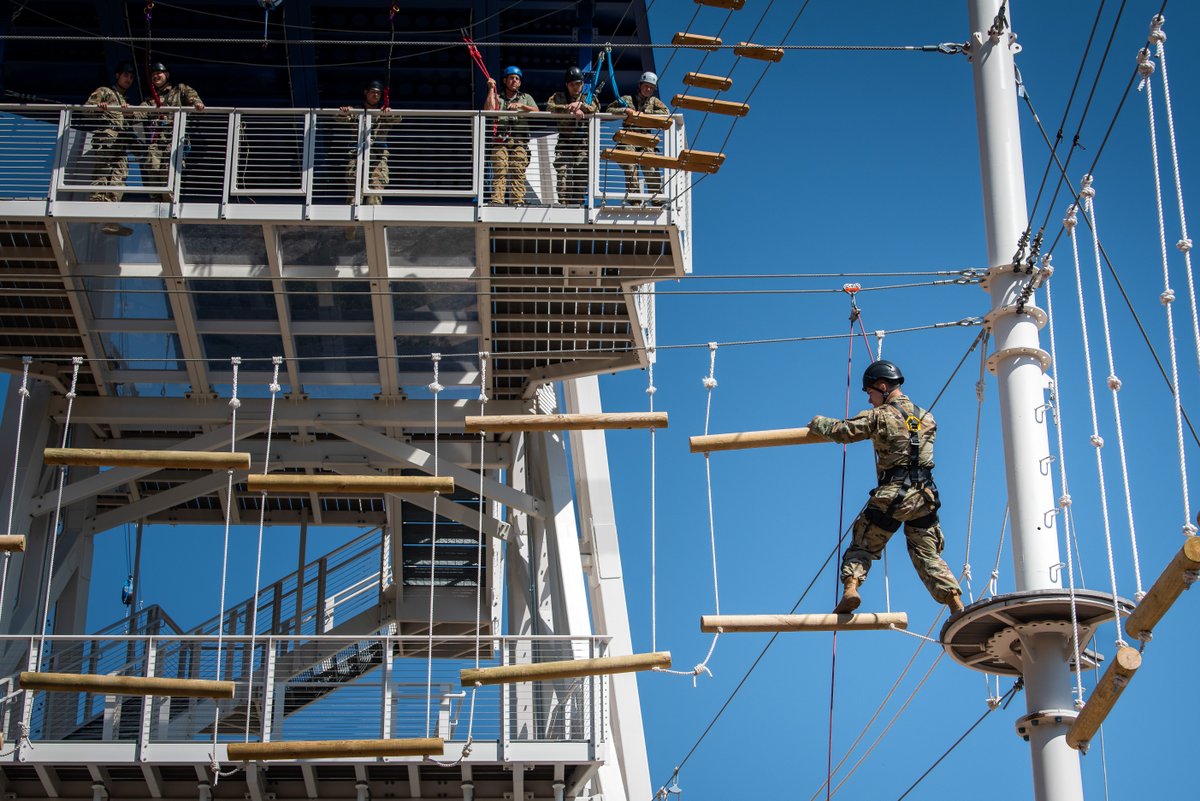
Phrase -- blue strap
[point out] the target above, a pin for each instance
(589, 77)
(612, 78)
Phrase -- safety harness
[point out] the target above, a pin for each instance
(912, 472)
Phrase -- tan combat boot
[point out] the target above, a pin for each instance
(850, 597)
(955, 603)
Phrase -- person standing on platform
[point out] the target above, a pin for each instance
(379, 127)
(164, 95)
(510, 146)
(571, 152)
(111, 135)
(903, 435)
(644, 102)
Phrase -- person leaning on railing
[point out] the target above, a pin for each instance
(570, 154)
(510, 148)
(377, 135)
(164, 95)
(111, 135)
(644, 102)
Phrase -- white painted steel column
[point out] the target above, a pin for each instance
(1022, 385)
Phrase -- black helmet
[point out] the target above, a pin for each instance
(123, 67)
(573, 74)
(377, 85)
(882, 370)
(158, 66)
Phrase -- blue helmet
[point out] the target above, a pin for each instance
(513, 71)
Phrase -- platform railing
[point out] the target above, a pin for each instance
(311, 157)
(370, 687)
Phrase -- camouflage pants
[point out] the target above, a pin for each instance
(571, 167)
(110, 163)
(156, 166)
(889, 507)
(509, 162)
(652, 175)
(378, 177)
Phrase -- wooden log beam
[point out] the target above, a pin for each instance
(643, 120)
(1107, 691)
(114, 457)
(12, 542)
(702, 81)
(125, 685)
(567, 669)
(335, 749)
(347, 485)
(732, 5)
(690, 160)
(624, 136)
(751, 50)
(696, 40)
(565, 422)
(1166, 590)
(754, 439)
(860, 622)
(727, 107)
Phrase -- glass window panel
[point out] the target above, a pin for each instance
(436, 300)
(460, 354)
(223, 244)
(93, 246)
(336, 354)
(329, 300)
(431, 246)
(229, 299)
(146, 389)
(139, 351)
(355, 391)
(127, 298)
(253, 389)
(220, 348)
(322, 246)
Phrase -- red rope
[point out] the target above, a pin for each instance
(476, 57)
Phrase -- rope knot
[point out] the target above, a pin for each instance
(1157, 35)
(1167, 297)
(980, 388)
(1145, 66)
(698, 670)
(1114, 383)
(1070, 220)
(1064, 501)
(435, 387)
(1184, 245)
(710, 382)
(23, 392)
(235, 403)
(275, 388)
(650, 390)
(1097, 440)
(1078, 704)
(1189, 530)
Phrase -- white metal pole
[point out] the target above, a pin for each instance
(1021, 384)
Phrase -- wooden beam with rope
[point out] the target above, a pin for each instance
(565, 669)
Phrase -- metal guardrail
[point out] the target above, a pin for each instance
(318, 687)
(325, 157)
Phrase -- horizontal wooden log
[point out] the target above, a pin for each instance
(860, 622)
(565, 422)
(125, 685)
(702, 81)
(754, 439)
(334, 749)
(115, 457)
(732, 5)
(567, 669)
(12, 542)
(727, 107)
(347, 485)
(689, 160)
(1165, 590)
(1102, 699)
(696, 40)
(642, 120)
(624, 136)
(750, 50)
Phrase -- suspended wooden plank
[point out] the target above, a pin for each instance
(347, 485)
(643, 120)
(732, 5)
(751, 50)
(624, 136)
(1107, 691)
(696, 40)
(1165, 591)
(728, 107)
(567, 669)
(125, 685)
(754, 439)
(334, 749)
(860, 622)
(113, 457)
(689, 160)
(565, 422)
(12, 542)
(702, 81)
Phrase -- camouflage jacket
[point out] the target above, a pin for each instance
(885, 426)
(557, 104)
(113, 116)
(644, 105)
(379, 127)
(512, 126)
(174, 95)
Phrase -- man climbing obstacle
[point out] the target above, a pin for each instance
(903, 435)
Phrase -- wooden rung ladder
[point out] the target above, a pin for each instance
(727, 107)
(866, 621)
(11, 543)
(347, 485)
(566, 669)
(750, 50)
(689, 160)
(565, 422)
(1165, 591)
(624, 136)
(643, 120)
(125, 685)
(335, 749)
(701, 81)
(1102, 699)
(115, 457)
(753, 439)
(696, 40)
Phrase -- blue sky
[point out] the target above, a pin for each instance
(867, 163)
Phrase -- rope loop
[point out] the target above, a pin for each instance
(1157, 34)
(1145, 66)
(1071, 220)
(1086, 190)
(1189, 530)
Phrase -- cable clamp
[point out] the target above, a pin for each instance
(952, 48)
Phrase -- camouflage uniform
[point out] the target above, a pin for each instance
(905, 496)
(378, 130)
(570, 154)
(645, 105)
(111, 138)
(158, 153)
(510, 152)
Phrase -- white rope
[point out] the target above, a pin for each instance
(76, 361)
(1064, 500)
(435, 387)
(887, 584)
(1097, 441)
(1146, 68)
(262, 522)
(23, 392)
(234, 404)
(879, 335)
(650, 390)
(980, 387)
(994, 577)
